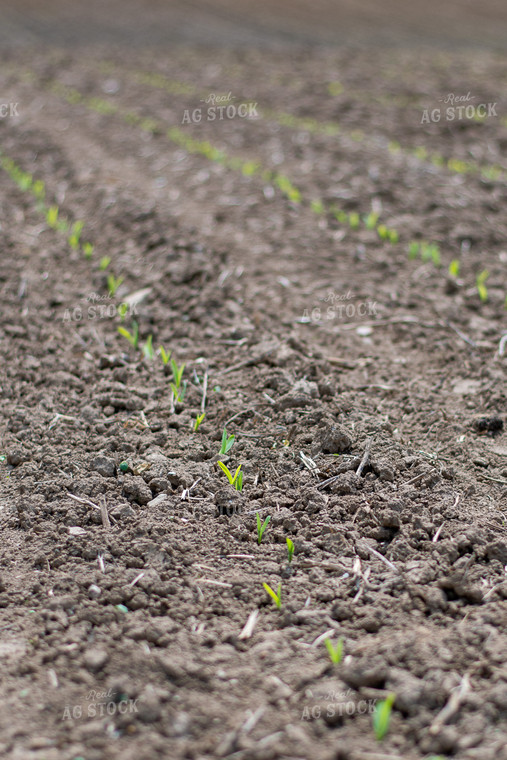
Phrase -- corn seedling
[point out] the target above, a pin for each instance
(132, 337)
(104, 263)
(148, 352)
(227, 442)
(113, 283)
(481, 285)
(382, 716)
(413, 250)
(198, 421)
(75, 235)
(178, 391)
(454, 268)
(276, 596)
(370, 221)
(430, 252)
(88, 250)
(382, 232)
(290, 549)
(335, 651)
(52, 217)
(317, 207)
(393, 236)
(354, 220)
(235, 480)
(166, 355)
(261, 527)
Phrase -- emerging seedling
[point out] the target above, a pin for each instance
(290, 549)
(132, 337)
(148, 352)
(335, 651)
(113, 283)
(354, 220)
(227, 442)
(104, 263)
(179, 393)
(198, 421)
(382, 716)
(261, 527)
(454, 268)
(75, 235)
(166, 355)
(371, 220)
(481, 285)
(88, 250)
(276, 596)
(235, 480)
(52, 217)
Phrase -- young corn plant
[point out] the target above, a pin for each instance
(481, 285)
(104, 263)
(290, 549)
(276, 596)
(75, 235)
(176, 386)
(454, 268)
(132, 337)
(335, 651)
(52, 217)
(261, 527)
(235, 480)
(198, 421)
(147, 349)
(113, 283)
(165, 355)
(88, 250)
(382, 716)
(227, 442)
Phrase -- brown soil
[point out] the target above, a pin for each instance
(366, 392)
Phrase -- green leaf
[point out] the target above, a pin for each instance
(382, 716)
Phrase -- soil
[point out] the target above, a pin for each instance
(366, 391)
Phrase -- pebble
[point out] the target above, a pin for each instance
(95, 659)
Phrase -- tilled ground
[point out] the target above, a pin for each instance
(365, 389)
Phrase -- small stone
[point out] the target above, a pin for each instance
(95, 659)
(105, 466)
(94, 591)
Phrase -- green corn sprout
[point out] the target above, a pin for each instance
(354, 220)
(166, 355)
(261, 527)
(371, 220)
(276, 596)
(104, 263)
(481, 285)
(132, 337)
(52, 217)
(75, 235)
(198, 421)
(235, 480)
(382, 716)
(148, 352)
(290, 549)
(88, 250)
(454, 268)
(335, 651)
(113, 283)
(227, 442)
